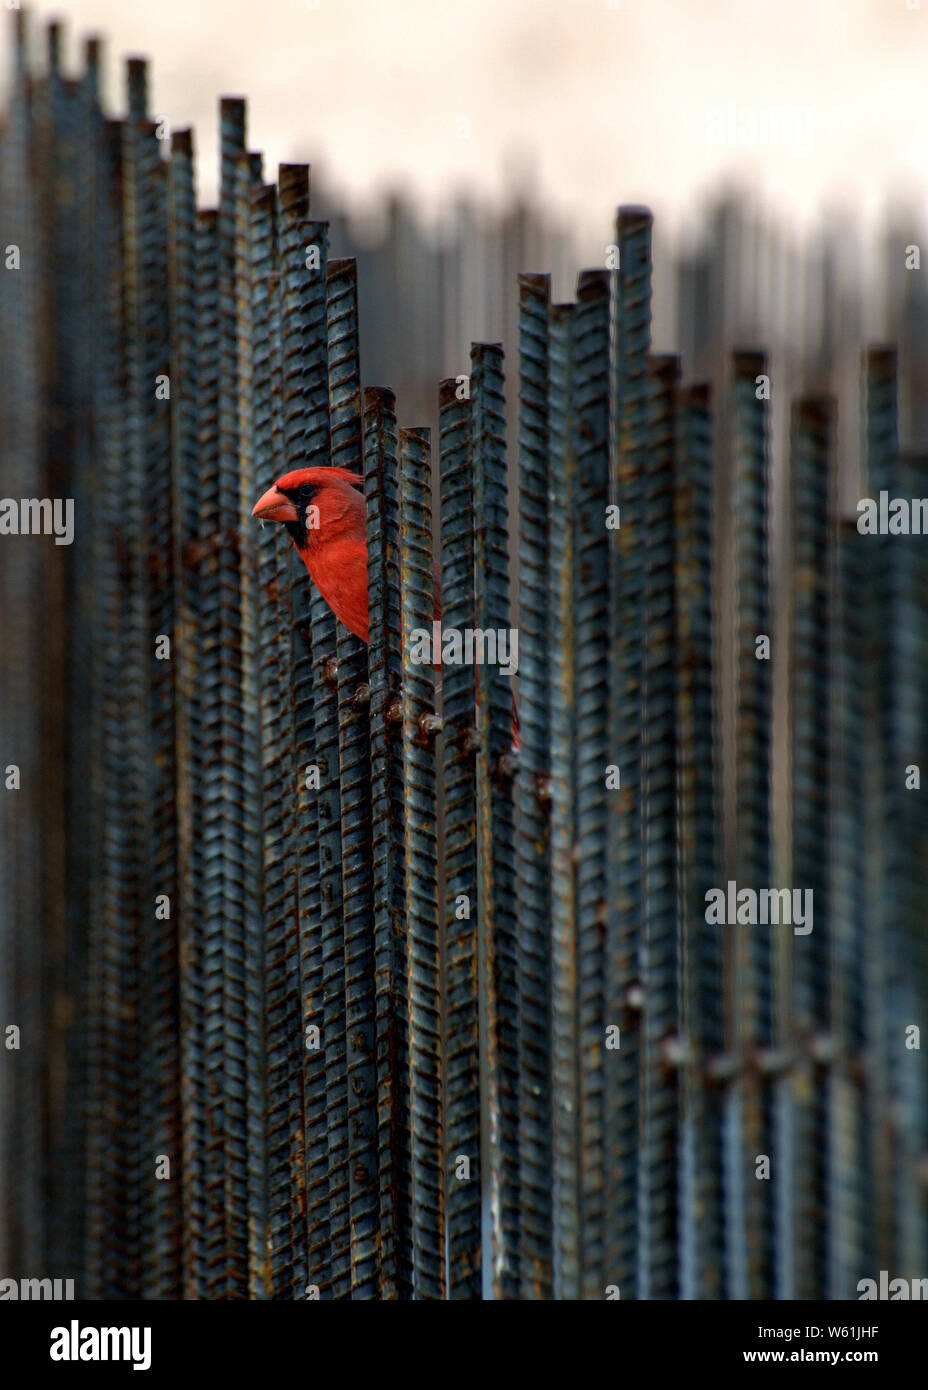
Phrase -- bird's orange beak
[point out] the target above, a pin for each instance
(274, 506)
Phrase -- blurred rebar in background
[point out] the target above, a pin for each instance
(313, 986)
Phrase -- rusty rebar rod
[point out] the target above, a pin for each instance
(533, 791)
(390, 927)
(629, 428)
(495, 824)
(463, 1177)
(419, 795)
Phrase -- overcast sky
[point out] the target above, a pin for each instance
(612, 100)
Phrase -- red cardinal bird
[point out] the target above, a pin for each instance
(333, 546)
(332, 541)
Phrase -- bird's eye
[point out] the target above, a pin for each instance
(305, 494)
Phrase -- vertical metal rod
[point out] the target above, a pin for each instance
(106, 824)
(344, 424)
(209, 649)
(495, 828)
(702, 1034)
(658, 1193)
(139, 887)
(850, 1223)
(229, 791)
(751, 957)
(305, 963)
(907, 947)
(629, 418)
(390, 927)
(159, 1019)
(249, 285)
(811, 519)
(182, 267)
(462, 1061)
(360, 1077)
(881, 441)
(317, 735)
(534, 792)
(565, 1099)
(590, 659)
(21, 407)
(282, 1019)
(265, 381)
(419, 795)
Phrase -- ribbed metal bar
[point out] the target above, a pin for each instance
(495, 823)
(390, 927)
(225, 789)
(320, 880)
(139, 885)
(304, 969)
(20, 578)
(590, 658)
(851, 1252)
(462, 1060)
(265, 380)
(344, 424)
(78, 250)
(158, 1017)
(63, 472)
(908, 952)
(182, 268)
(658, 1194)
(750, 953)
(103, 732)
(416, 588)
(357, 889)
(533, 790)
(811, 518)
(210, 678)
(698, 857)
(250, 297)
(359, 1075)
(565, 1099)
(881, 441)
(282, 1019)
(629, 417)
(105, 1157)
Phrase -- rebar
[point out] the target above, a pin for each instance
(533, 791)
(419, 796)
(391, 1002)
(463, 1175)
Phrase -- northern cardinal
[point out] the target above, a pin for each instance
(332, 541)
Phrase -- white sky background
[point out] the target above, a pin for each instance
(817, 102)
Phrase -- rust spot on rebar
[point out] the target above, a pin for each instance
(330, 670)
(429, 725)
(543, 788)
(508, 765)
(361, 697)
(393, 714)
